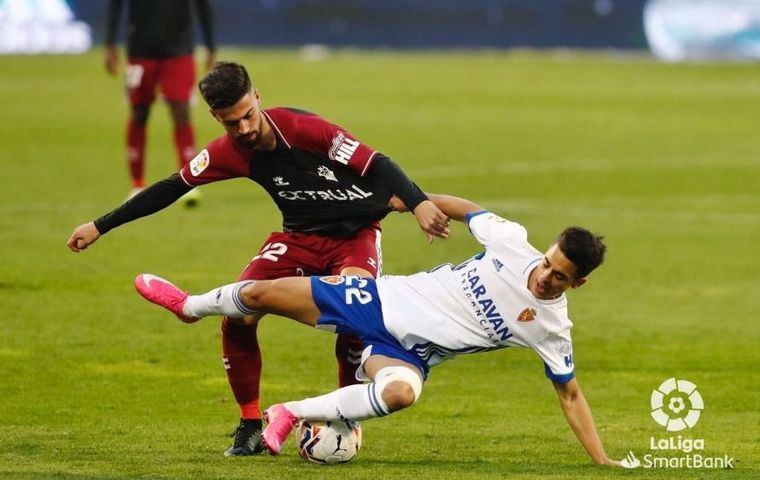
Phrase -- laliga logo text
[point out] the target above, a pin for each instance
(676, 405)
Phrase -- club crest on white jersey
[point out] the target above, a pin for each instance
(343, 148)
(200, 163)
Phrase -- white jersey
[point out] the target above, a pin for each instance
(482, 304)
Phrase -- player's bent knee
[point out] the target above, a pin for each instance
(399, 387)
(253, 295)
(398, 395)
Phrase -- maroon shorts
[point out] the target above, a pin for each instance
(175, 75)
(301, 255)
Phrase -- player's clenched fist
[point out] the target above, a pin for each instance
(83, 236)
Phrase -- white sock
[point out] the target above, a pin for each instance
(354, 403)
(219, 301)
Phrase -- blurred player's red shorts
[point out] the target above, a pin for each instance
(295, 254)
(175, 75)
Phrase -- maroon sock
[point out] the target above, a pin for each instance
(136, 152)
(242, 360)
(184, 142)
(348, 352)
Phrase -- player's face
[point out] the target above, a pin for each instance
(243, 121)
(553, 275)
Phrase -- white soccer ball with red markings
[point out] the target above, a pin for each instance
(328, 443)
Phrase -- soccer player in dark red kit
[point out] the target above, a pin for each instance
(332, 191)
(159, 53)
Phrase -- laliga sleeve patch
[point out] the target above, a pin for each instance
(200, 163)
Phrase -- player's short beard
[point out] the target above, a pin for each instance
(249, 143)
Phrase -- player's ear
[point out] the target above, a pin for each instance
(579, 282)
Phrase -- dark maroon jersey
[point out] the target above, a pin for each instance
(160, 28)
(317, 174)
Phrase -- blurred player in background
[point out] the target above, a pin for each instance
(159, 54)
(332, 191)
(510, 295)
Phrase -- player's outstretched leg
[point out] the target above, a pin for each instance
(224, 300)
(288, 297)
(397, 385)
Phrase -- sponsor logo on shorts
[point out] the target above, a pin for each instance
(332, 279)
(527, 315)
(200, 163)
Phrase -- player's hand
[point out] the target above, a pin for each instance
(83, 236)
(432, 220)
(612, 463)
(112, 60)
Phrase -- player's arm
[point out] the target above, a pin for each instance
(154, 198)
(430, 217)
(454, 207)
(112, 55)
(206, 19)
(578, 415)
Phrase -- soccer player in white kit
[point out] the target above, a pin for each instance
(510, 295)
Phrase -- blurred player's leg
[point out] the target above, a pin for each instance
(136, 126)
(177, 84)
(140, 81)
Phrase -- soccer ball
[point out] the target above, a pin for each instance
(329, 443)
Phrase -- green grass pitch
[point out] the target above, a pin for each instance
(664, 160)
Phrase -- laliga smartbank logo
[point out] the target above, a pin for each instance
(676, 405)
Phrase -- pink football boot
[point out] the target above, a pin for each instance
(164, 293)
(281, 422)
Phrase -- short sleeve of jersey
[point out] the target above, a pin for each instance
(489, 228)
(556, 351)
(324, 138)
(220, 160)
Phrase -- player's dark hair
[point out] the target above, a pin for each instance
(583, 248)
(225, 85)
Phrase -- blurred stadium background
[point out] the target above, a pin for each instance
(548, 112)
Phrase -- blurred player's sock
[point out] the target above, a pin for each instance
(184, 142)
(136, 152)
(356, 402)
(247, 439)
(348, 353)
(224, 300)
